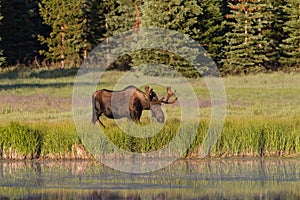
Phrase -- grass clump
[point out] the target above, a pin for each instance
(128, 142)
(239, 137)
(259, 138)
(18, 140)
(58, 140)
(21, 141)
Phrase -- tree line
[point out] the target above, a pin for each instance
(241, 36)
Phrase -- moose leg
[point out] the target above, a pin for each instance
(100, 123)
(97, 119)
(135, 117)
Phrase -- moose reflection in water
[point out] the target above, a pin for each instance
(129, 103)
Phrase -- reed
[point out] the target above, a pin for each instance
(58, 139)
(246, 137)
(252, 137)
(19, 141)
(259, 138)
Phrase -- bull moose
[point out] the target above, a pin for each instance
(129, 103)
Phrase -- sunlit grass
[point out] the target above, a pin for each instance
(259, 138)
(22, 139)
(19, 141)
(262, 116)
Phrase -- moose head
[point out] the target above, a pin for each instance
(155, 103)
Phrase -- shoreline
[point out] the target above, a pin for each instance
(79, 153)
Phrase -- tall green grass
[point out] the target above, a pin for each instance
(259, 138)
(239, 138)
(131, 143)
(19, 141)
(58, 139)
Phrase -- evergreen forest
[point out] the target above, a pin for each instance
(241, 36)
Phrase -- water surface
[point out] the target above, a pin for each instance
(190, 179)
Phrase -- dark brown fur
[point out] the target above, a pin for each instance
(129, 103)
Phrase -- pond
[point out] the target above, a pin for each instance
(270, 178)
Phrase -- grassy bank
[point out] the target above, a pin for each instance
(262, 117)
(238, 138)
(23, 141)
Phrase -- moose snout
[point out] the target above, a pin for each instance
(160, 119)
(158, 113)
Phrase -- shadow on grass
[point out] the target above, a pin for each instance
(34, 85)
(39, 85)
(55, 73)
(15, 73)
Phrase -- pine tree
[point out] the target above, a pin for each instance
(67, 41)
(291, 45)
(247, 45)
(95, 27)
(120, 15)
(213, 28)
(22, 24)
(181, 16)
(274, 32)
(262, 21)
(2, 58)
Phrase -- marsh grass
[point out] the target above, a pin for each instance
(58, 139)
(22, 139)
(19, 141)
(238, 138)
(128, 142)
(262, 117)
(259, 138)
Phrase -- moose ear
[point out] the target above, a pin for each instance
(147, 89)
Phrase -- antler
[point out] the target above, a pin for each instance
(169, 95)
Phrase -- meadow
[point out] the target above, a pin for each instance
(36, 119)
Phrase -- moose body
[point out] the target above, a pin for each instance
(129, 102)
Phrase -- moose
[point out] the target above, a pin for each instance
(130, 103)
